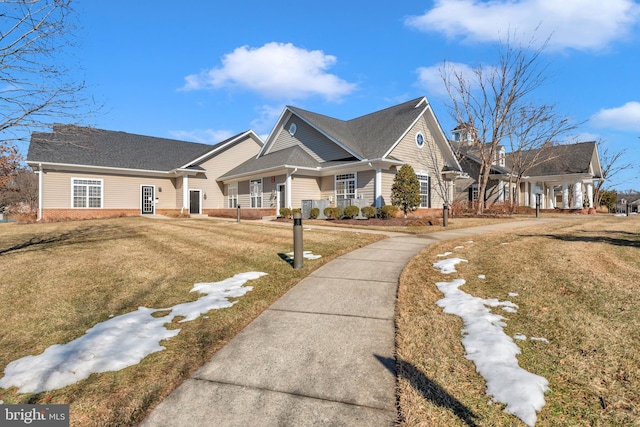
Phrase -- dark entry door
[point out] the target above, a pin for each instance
(194, 201)
(148, 205)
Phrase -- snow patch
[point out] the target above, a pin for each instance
(448, 266)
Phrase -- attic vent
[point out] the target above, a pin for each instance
(292, 129)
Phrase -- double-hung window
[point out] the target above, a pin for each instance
(425, 199)
(232, 195)
(87, 193)
(345, 187)
(255, 187)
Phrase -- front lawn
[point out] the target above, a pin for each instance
(61, 279)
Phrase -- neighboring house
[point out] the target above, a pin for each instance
(311, 160)
(88, 173)
(562, 176)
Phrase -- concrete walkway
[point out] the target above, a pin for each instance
(323, 354)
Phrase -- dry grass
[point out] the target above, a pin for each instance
(577, 282)
(60, 279)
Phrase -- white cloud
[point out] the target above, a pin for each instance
(268, 115)
(204, 136)
(430, 78)
(275, 70)
(576, 24)
(626, 117)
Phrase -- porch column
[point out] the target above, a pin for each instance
(532, 197)
(551, 197)
(565, 195)
(500, 190)
(378, 188)
(287, 191)
(577, 195)
(525, 194)
(590, 194)
(185, 193)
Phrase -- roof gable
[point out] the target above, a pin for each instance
(366, 137)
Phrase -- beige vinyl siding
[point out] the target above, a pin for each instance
(118, 191)
(327, 187)
(244, 197)
(317, 145)
(269, 193)
(387, 182)
(427, 160)
(365, 181)
(221, 163)
(304, 188)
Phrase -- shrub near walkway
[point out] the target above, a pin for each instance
(58, 280)
(576, 282)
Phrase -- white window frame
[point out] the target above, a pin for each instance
(345, 178)
(87, 184)
(232, 195)
(423, 178)
(420, 137)
(256, 197)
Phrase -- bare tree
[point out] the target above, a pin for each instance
(532, 135)
(36, 86)
(485, 102)
(611, 163)
(21, 191)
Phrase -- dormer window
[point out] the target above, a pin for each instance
(502, 157)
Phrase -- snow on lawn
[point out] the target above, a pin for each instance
(119, 342)
(448, 266)
(491, 349)
(305, 254)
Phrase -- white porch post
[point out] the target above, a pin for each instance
(551, 197)
(378, 188)
(185, 192)
(532, 198)
(577, 195)
(500, 190)
(590, 194)
(565, 195)
(287, 191)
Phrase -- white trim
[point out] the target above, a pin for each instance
(199, 201)
(87, 179)
(185, 193)
(40, 181)
(154, 198)
(355, 184)
(261, 194)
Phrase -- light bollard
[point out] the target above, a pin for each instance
(298, 246)
(238, 220)
(445, 215)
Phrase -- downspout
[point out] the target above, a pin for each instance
(39, 192)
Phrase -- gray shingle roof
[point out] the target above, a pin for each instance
(69, 144)
(559, 159)
(293, 156)
(369, 136)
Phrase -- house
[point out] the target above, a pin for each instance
(556, 176)
(312, 160)
(308, 160)
(86, 173)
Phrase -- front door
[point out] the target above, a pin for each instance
(194, 201)
(148, 202)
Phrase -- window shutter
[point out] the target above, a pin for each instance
(429, 186)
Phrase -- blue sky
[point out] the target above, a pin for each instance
(203, 71)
